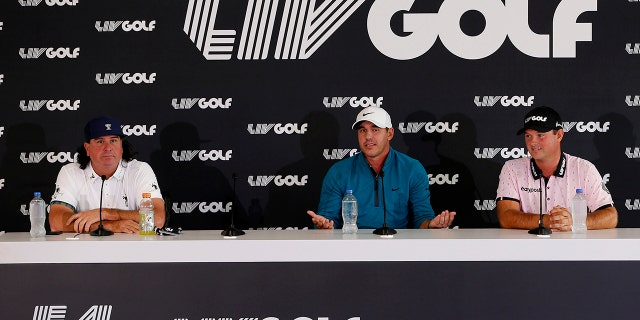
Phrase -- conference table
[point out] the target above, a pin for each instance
(322, 275)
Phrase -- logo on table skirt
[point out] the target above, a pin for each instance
(203, 103)
(203, 207)
(1, 131)
(52, 157)
(126, 26)
(586, 126)
(203, 155)
(278, 128)
(1, 78)
(505, 153)
(96, 312)
(1, 183)
(354, 102)
(127, 78)
(271, 317)
(50, 3)
(429, 127)
(1, 25)
(51, 53)
(289, 181)
(338, 154)
(505, 101)
(484, 205)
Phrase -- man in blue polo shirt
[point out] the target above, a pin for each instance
(406, 184)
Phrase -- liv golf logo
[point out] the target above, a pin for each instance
(50, 3)
(305, 26)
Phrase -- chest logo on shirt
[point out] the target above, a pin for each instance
(530, 190)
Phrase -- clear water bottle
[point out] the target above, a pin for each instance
(349, 213)
(147, 219)
(579, 212)
(37, 215)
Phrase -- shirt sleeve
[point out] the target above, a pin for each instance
(508, 186)
(330, 205)
(596, 192)
(67, 185)
(146, 181)
(420, 196)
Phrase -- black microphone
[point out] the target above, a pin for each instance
(541, 230)
(101, 231)
(231, 231)
(384, 231)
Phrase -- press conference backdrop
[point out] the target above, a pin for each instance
(267, 90)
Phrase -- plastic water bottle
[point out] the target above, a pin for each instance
(147, 219)
(579, 212)
(349, 213)
(37, 216)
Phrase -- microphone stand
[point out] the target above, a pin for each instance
(384, 231)
(101, 231)
(231, 231)
(540, 230)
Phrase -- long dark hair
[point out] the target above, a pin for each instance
(128, 154)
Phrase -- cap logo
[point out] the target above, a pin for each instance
(536, 118)
(107, 126)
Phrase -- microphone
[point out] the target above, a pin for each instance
(540, 230)
(231, 231)
(384, 231)
(101, 231)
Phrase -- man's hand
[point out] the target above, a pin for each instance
(443, 220)
(124, 226)
(320, 221)
(560, 219)
(82, 221)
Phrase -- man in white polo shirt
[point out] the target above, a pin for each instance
(547, 181)
(104, 155)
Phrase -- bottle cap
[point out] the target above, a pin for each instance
(579, 190)
(349, 191)
(36, 194)
(146, 194)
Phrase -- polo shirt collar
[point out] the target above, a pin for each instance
(561, 168)
(93, 176)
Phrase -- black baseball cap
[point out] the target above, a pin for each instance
(102, 126)
(541, 119)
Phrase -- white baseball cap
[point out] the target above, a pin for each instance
(375, 115)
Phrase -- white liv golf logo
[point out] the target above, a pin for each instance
(305, 26)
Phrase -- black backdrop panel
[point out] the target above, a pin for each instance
(315, 290)
(268, 90)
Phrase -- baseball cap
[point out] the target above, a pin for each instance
(541, 119)
(375, 115)
(102, 126)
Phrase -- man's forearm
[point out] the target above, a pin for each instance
(606, 218)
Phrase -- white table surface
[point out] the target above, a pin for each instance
(324, 245)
